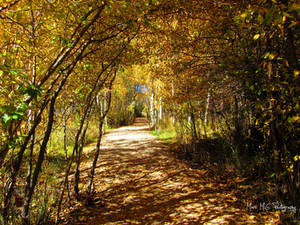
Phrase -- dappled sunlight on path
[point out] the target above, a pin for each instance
(138, 181)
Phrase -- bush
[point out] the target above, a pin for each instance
(120, 118)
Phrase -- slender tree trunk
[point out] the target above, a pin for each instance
(213, 115)
(104, 109)
(97, 152)
(38, 167)
(92, 173)
(193, 123)
(206, 108)
(237, 125)
(65, 135)
(160, 109)
(33, 71)
(173, 116)
(77, 172)
(153, 122)
(71, 160)
(29, 174)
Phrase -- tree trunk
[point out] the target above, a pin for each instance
(65, 135)
(206, 108)
(79, 153)
(237, 125)
(152, 114)
(97, 152)
(38, 167)
(18, 162)
(92, 173)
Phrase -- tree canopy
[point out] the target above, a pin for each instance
(224, 68)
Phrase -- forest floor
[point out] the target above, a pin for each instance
(140, 181)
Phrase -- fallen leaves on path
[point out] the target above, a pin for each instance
(139, 181)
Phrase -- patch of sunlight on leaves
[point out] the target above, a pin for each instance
(171, 184)
(212, 200)
(209, 185)
(129, 199)
(156, 174)
(191, 208)
(192, 216)
(194, 206)
(219, 220)
(178, 195)
(187, 201)
(251, 217)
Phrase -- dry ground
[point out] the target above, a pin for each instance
(139, 181)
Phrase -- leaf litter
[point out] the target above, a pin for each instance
(139, 181)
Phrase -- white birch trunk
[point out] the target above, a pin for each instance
(207, 107)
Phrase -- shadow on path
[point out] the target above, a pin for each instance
(139, 181)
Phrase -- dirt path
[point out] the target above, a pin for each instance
(140, 182)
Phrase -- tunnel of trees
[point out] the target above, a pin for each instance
(220, 74)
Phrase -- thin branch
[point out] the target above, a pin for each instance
(9, 5)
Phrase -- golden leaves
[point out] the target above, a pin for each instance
(256, 36)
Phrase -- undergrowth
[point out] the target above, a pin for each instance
(214, 150)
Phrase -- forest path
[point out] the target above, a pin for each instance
(139, 181)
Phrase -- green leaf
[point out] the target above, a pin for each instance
(14, 72)
(272, 175)
(6, 118)
(12, 144)
(266, 55)
(23, 107)
(88, 66)
(32, 91)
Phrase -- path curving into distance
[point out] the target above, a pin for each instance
(139, 181)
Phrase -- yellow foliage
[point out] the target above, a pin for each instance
(256, 36)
